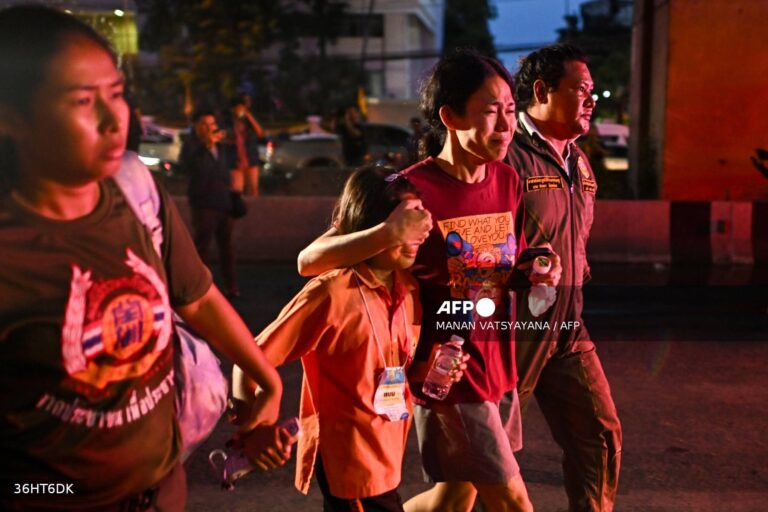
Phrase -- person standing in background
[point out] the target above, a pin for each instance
(353, 144)
(553, 92)
(206, 161)
(244, 133)
(417, 131)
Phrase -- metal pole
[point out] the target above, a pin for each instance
(366, 32)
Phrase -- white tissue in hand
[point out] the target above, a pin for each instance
(541, 298)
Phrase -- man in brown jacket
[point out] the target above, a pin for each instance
(558, 363)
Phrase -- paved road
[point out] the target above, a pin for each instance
(687, 365)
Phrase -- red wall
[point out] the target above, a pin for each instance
(717, 100)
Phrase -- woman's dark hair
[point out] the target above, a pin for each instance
(370, 194)
(547, 64)
(30, 36)
(451, 82)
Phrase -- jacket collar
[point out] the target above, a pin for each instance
(527, 125)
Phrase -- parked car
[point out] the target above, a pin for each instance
(614, 138)
(283, 155)
(386, 143)
(160, 146)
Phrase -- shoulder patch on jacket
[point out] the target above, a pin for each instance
(583, 168)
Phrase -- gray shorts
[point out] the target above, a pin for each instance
(472, 442)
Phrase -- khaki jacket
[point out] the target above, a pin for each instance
(559, 209)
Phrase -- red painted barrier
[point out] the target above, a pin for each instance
(278, 227)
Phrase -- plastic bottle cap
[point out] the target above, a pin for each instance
(541, 265)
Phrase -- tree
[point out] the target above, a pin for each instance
(607, 41)
(466, 26)
(213, 48)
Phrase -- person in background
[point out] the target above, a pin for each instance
(353, 143)
(315, 127)
(561, 368)
(86, 302)
(244, 133)
(417, 131)
(206, 161)
(467, 440)
(135, 126)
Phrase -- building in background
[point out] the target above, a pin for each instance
(115, 19)
(398, 41)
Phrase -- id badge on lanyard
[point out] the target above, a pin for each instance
(389, 399)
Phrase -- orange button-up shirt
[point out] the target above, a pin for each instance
(327, 326)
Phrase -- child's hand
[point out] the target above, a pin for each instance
(268, 447)
(458, 370)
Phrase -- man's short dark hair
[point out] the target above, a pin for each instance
(202, 112)
(547, 64)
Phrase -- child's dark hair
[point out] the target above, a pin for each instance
(30, 36)
(451, 82)
(370, 194)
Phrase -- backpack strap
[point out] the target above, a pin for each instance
(140, 191)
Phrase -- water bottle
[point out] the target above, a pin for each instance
(232, 467)
(229, 467)
(541, 296)
(438, 381)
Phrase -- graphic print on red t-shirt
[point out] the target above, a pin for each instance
(109, 324)
(481, 254)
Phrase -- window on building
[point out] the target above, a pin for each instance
(354, 25)
(375, 83)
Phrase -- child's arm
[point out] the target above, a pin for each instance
(299, 328)
(217, 321)
(408, 223)
(304, 323)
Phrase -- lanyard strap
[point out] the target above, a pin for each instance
(375, 333)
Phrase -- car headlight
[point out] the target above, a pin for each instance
(149, 161)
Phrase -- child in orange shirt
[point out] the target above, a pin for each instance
(355, 330)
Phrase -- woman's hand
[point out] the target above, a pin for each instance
(409, 223)
(419, 370)
(267, 446)
(457, 372)
(264, 409)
